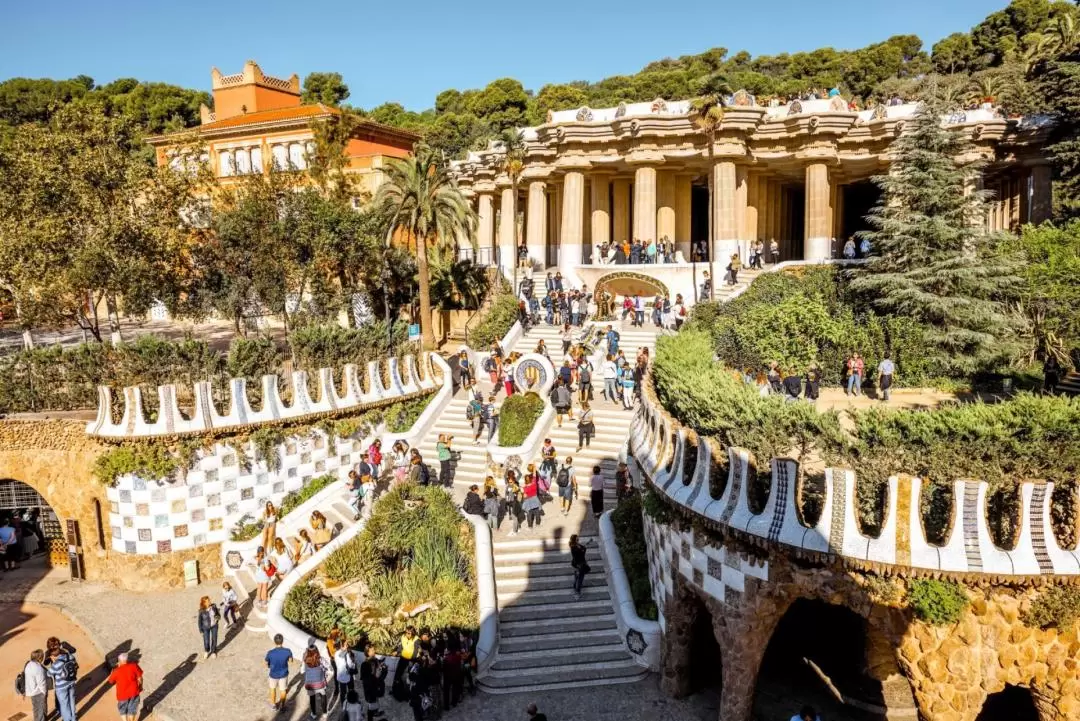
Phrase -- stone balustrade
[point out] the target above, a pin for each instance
(677, 463)
(405, 380)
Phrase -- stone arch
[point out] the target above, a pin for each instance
(692, 655)
(1014, 703)
(624, 283)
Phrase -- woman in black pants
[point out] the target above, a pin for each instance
(585, 426)
(577, 561)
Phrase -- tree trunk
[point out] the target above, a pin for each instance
(114, 321)
(27, 334)
(427, 333)
(712, 240)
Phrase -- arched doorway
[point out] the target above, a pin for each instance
(18, 501)
(858, 200)
(1013, 703)
(624, 283)
(818, 651)
(693, 660)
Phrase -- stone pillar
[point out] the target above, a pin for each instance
(839, 231)
(571, 236)
(750, 218)
(620, 210)
(600, 209)
(665, 205)
(818, 225)
(724, 214)
(761, 232)
(645, 204)
(507, 241)
(772, 213)
(536, 219)
(742, 197)
(1016, 191)
(1041, 194)
(485, 236)
(683, 211)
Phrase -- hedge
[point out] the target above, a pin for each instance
(496, 323)
(517, 418)
(630, 538)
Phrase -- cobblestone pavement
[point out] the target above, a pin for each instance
(180, 686)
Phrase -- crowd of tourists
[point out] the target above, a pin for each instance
(636, 252)
(21, 537)
(57, 665)
(792, 385)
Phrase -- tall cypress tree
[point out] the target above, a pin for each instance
(1059, 84)
(931, 259)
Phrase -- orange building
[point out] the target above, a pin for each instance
(259, 122)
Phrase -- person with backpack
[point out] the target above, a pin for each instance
(489, 418)
(64, 671)
(578, 563)
(584, 374)
(586, 428)
(343, 662)
(315, 672)
(127, 677)
(472, 414)
(626, 382)
(491, 504)
(612, 338)
(531, 497)
(33, 684)
(208, 619)
(446, 456)
(563, 401)
(567, 483)
(373, 674)
(514, 499)
(492, 367)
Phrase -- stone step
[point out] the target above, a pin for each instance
(540, 598)
(539, 555)
(537, 572)
(564, 675)
(542, 543)
(557, 641)
(575, 609)
(544, 658)
(553, 582)
(562, 626)
(560, 686)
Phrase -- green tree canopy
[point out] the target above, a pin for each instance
(326, 88)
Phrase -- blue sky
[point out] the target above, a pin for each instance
(409, 51)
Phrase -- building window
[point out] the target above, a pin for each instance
(256, 160)
(297, 158)
(225, 163)
(281, 157)
(243, 162)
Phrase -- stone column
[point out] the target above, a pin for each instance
(485, 236)
(742, 198)
(761, 232)
(600, 209)
(750, 218)
(683, 210)
(645, 204)
(1016, 191)
(1041, 194)
(818, 226)
(620, 210)
(536, 219)
(507, 250)
(665, 205)
(572, 234)
(724, 214)
(839, 231)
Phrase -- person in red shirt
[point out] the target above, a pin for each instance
(128, 679)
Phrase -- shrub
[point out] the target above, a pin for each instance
(630, 538)
(400, 417)
(1056, 606)
(307, 607)
(294, 499)
(656, 507)
(497, 321)
(517, 417)
(331, 346)
(149, 461)
(252, 358)
(939, 603)
(246, 528)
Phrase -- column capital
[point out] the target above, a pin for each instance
(484, 188)
(644, 157)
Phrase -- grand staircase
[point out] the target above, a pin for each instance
(547, 637)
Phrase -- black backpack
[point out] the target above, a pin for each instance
(20, 683)
(425, 474)
(562, 479)
(489, 365)
(585, 374)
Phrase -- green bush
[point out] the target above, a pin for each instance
(939, 603)
(252, 358)
(400, 417)
(656, 507)
(497, 321)
(1056, 606)
(331, 346)
(630, 538)
(246, 528)
(517, 418)
(150, 461)
(294, 499)
(414, 549)
(307, 607)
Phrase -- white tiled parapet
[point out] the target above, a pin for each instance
(406, 378)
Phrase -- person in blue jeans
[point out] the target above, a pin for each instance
(63, 670)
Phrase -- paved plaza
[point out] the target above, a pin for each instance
(180, 686)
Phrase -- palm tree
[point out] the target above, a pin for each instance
(513, 162)
(419, 200)
(707, 114)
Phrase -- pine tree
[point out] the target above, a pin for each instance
(1059, 84)
(931, 258)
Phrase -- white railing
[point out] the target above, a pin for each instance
(646, 649)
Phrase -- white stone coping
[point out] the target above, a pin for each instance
(487, 643)
(626, 616)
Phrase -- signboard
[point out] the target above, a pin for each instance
(414, 331)
(191, 573)
(74, 549)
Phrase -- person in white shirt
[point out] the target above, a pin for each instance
(345, 669)
(596, 491)
(37, 685)
(610, 374)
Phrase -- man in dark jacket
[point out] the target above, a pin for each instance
(792, 387)
(473, 505)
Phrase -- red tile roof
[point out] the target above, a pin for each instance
(302, 112)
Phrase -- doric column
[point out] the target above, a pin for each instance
(753, 207)
(665, 205)
(683, 210)
(724, 218)
(536, 218)
(507, 211)
(572, 234)
(818, 225)
(1015, 193)
(1041, 194)
(620, 210)
(742, 197)
(645, 204)
(485, 235)
(600, 209)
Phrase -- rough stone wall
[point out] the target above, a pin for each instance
(56, 458)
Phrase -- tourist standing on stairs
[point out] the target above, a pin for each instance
(582, 308)
(626, 375)
(464, 369)
(567, 338)
(563, 402)
(585, 427)
(514, 498)
(639, 311)
(531, 494)
(446, 456)
(596, 491)
(269, 518)
(489, 418)
(508, 374)
(706, 287)
(610, 373)
(679, 311)
(612, 338)
(567, 483)
(473, 415)
(733, 268)
(492, 507)
(578, 563)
